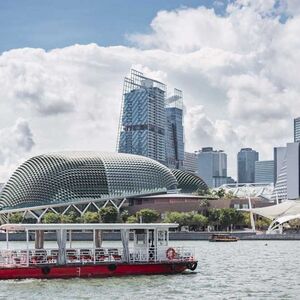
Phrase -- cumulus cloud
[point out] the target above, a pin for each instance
(15, 143)
(238, 72)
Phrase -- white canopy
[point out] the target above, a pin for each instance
(281, 213)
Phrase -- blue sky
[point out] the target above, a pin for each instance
(52, 24)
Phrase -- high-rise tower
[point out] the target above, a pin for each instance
(246, 159)
(143, 118)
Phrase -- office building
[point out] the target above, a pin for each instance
(297, 130)
(288, 181)
(150, 123)
(264, 171)
(190, 162)
(279, 157)
(174, 131)
(143, 118)
(212, 166)
(246, 165)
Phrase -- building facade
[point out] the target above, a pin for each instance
(174, 131)
(190, 162)
(151, 125)
(246, 159)
(212, 166)
(143, 120)
(297, 130)
(264, 171)
(288, 181)
(279, 158)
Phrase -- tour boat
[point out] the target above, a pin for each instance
(223, 238)
(145, 250)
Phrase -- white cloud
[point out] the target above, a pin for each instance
(238, 72)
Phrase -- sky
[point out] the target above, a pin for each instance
(62, 65)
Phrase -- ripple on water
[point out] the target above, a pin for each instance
(243, 270)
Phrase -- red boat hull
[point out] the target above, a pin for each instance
(85, 271)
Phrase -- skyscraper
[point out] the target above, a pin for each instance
(174, 131)
(264, 171)
(246, 165)
(297, 130)
(190, 162)
(143, 117)
(212, 166)
(151, 125)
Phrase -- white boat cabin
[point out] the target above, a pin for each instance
(142, 242)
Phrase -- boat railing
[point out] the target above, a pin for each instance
(25, 257)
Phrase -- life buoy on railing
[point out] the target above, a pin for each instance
(171, 253)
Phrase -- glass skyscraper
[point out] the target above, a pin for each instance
(212, 166)
(297, 130)
(264, 171)
(246, 165)
(174, 131)
(151, 124)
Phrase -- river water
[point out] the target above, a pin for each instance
(242, 270)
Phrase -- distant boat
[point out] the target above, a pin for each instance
(223, 238)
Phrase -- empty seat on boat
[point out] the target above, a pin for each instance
(85, 254)
(114, 253)
(100, 254)
(53, 255)
(71, 254)
(39, 256)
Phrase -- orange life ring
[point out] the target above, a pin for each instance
(171, 253)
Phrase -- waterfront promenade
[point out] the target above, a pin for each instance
(174, 236)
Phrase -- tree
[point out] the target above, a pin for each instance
(204, 207)
(214, 218)
(91, 217)
(183, 219)
(108, 214)
(51, 217)
(15, 218)
(147, 215)
(124, 216)
(198, 221)
(132, 219)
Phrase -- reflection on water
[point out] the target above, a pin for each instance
(242, 270)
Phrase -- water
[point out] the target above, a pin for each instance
(242, 270)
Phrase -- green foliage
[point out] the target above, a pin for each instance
(51, 217)
(15, 218)
(124, 216)
(108, 214)
(198, 221)
(132, 219)
(91, 217)
(262, 223)
(214, 218)
(148, 215)
(177, 217)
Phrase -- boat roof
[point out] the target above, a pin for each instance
(85, 226)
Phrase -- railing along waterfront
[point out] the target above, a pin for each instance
(22, 257)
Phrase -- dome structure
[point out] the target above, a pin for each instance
(189, 182)
(80, 176)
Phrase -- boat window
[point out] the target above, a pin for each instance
(140, 237)
(162, 237)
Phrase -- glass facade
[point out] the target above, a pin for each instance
(174, 130)
(151, 124)
(297, 130)
(143, 118)
(246, 165)
(212, 166)
(75, 176)
(264, 171)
